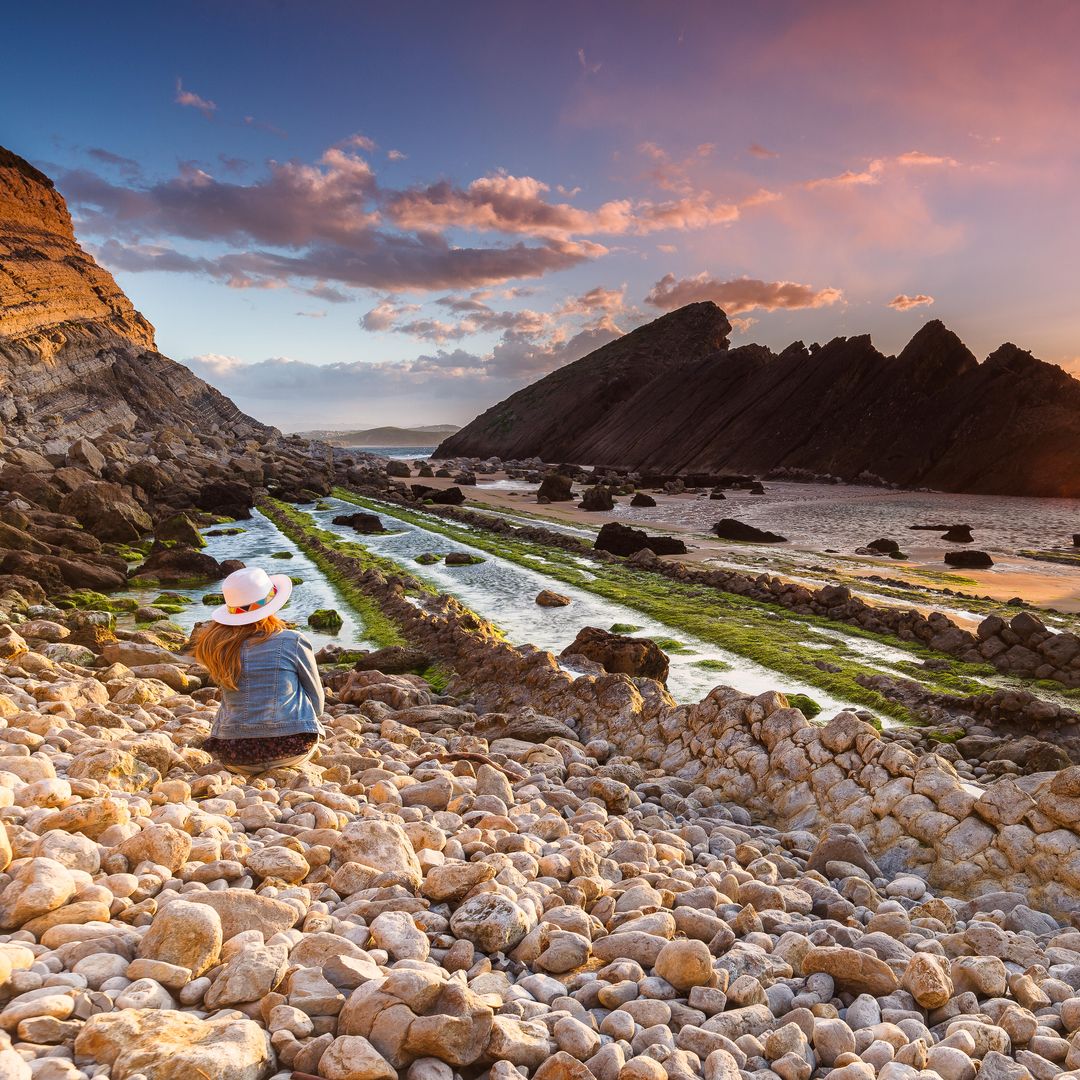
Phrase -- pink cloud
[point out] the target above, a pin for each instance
(870, 175)
(742, 325)
(903, 302)
(396, 155)
(440, 381)
(189, 99)
(759, 151)
(917, 157)
(598, 300)
(739, 294)
(386, 313)
(518, 205)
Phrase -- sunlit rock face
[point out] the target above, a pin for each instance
(76, 358)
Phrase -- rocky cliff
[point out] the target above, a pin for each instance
(932, 416)
(76, 358)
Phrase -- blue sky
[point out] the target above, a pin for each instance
(347, 214)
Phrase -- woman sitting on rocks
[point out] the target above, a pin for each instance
(271, 692)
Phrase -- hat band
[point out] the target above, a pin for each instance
(258, 603)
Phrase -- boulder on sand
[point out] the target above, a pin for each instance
(556, 487)
(618, 654)
(597, 499)
(958, 534)
(883, 546)
(641, 499)
(623, 540)
(969, 560)
(730, 529)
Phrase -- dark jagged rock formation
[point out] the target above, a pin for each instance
(671, 397)
(622, 540)
(361, 522)
(969, 560)
(555, 416)
(76, 358)
(730, 529)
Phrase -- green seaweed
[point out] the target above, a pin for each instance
(805, 704)
(299, 527)
(88, 600)
(767, 634)
(326, 619)
(671, 645)
(623, 628)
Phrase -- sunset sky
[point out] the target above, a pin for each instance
(358, 214)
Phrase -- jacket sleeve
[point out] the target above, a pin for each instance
(308, 671)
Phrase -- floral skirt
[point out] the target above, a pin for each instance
(259, 755)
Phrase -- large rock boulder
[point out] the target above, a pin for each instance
(179, 529)
(361, 522)
(622, 540)
(556, 487)
(969, 560)
(597, 499)
(229, 498)
(178, 564)
(730, 529)
(169, 1045)
(107, 511)
(958, 534)
(451, 496)
(619, 654)
(641, 499)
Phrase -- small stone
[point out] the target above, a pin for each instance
(685, 964)
(928, 981)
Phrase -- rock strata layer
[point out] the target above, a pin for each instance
(76, 358)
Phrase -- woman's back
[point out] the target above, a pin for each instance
(279, 691)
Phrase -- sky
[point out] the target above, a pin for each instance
(346, 214)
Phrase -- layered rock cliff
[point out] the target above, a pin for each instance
(932, 416)
(76, 358)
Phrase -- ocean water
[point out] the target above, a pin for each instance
(399, 453)
(256, 545)
(505, 593)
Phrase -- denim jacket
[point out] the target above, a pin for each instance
(279, 691)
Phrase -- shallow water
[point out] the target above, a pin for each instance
(845, 516)
(254, 546)
(398, 453)
(505, 593)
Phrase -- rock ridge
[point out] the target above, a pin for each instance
(930, 417)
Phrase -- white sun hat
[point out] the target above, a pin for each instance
(251, 594)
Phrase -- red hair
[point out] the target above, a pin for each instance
(218, 647)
